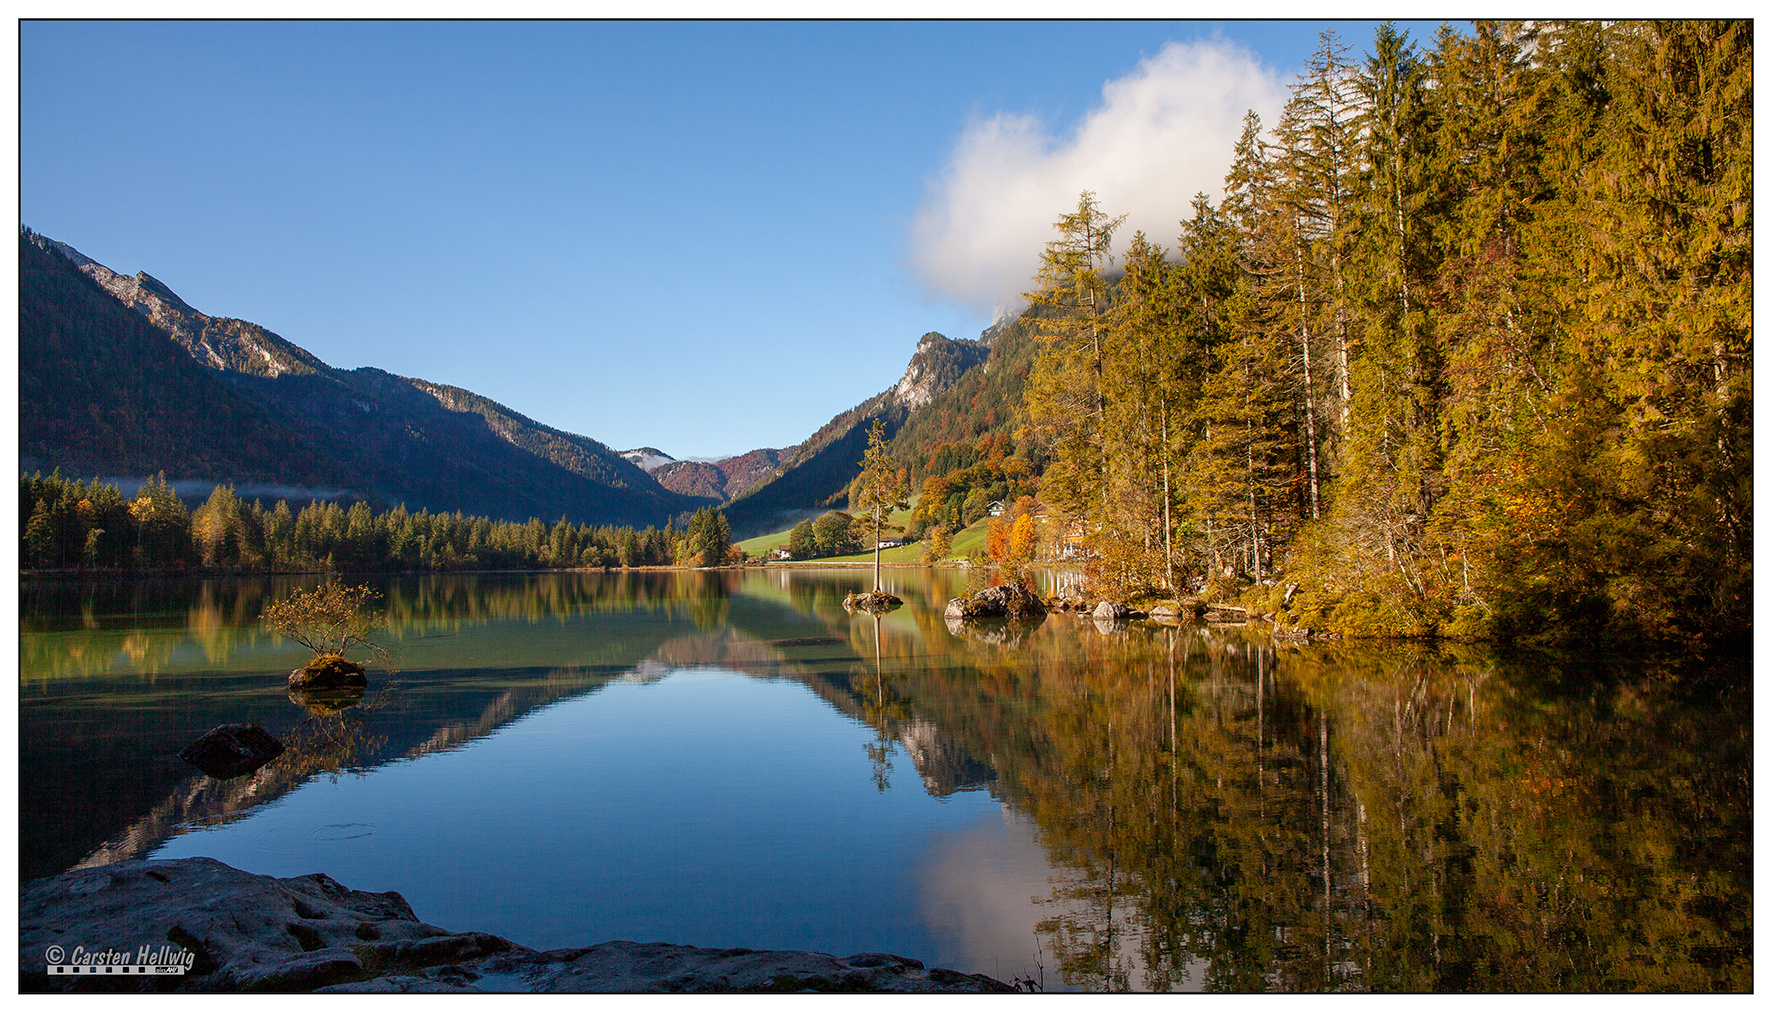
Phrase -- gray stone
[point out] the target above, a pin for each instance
(872, 601)
(1110, 610)
(257, 933)
(245, 931)
(1011, 600)
(622, 966)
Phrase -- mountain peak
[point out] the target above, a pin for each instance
(648, 458)
(935, 366)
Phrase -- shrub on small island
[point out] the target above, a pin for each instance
(330, 620)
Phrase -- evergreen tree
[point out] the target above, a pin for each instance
(1064, 392)
(162, 524)
(218, 528)
(706, 539)
(880, 489)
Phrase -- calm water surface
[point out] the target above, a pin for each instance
(732, 760)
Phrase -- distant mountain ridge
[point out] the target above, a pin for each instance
(719, 479)
(102, 391)
(814, 476)
(400, 439)
(390, 438)
(219, 342)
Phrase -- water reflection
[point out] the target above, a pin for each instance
(1208, 809)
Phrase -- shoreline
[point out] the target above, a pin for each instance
(76, 574)
(235, 931)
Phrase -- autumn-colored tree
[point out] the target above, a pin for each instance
(880, 489)
(1466, 347)
(1064, 392)
(938, 541)
(218, 528)
(330, 620)
(162, 524)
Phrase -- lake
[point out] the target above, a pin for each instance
(730, 759)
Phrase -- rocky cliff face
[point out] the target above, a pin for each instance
(814, 475)
(935, 366)
(218, 342)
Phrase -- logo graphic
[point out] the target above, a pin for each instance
(146, 960)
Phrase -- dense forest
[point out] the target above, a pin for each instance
(1463, 350)
(72, 524)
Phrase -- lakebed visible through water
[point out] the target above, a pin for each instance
(731, 759)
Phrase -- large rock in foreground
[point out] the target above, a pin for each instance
(1010, 600)
(246, 932)
(1112, 611)
(622, 966)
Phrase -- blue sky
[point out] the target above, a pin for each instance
(704, 237)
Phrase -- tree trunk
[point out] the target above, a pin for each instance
(1310, 404)
(1168, 543)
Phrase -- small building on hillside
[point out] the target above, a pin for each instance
(779, 552)
(995, 509)
(891, 543)
(1070, 544)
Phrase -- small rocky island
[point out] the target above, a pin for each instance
(245, 932)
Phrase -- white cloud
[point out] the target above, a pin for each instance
(1161, 134)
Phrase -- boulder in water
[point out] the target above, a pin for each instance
(872, 601)
(230, 751)
(1111, 610)
(1011, 600)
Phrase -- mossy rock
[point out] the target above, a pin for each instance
(1011, 600)
(329, 671)
(872, 601)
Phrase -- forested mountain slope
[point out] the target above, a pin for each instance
(980, 402)
(390, 439)
(952, 392)
(101, 391)
(813, 476)
(724, 479)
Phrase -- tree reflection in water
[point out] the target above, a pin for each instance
(1232, 815)
(1224, 813)
(334, 737)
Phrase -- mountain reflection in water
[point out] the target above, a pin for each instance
(1148, 808)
